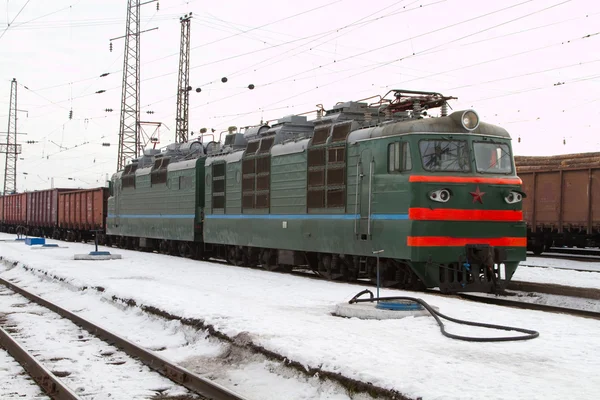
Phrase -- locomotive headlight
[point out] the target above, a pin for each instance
(513, 197)
(441, 196)
(470, 120)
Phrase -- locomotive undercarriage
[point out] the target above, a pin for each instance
(481, 269)
(336, 267)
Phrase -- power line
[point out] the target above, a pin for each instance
(497, 59)
(13, 20)
(525, 74)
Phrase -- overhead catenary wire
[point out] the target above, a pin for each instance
(343, 59)
(13, 20)
(94, 78)
(372, 50)
(309, 37)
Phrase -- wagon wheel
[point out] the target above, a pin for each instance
(21, 230)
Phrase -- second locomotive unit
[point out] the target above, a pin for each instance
(437, 199)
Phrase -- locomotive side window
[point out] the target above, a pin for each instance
(492, 158)
(445, 155)
(399, 158)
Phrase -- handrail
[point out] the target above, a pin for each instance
(358, 177)
(370, 194)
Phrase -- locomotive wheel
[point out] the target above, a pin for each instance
(269, 258)
(399, 275)
(163, 247)
(232, 255)
(173, 250)
(329, 267)
(184, 250)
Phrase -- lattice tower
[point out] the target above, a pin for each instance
(129, 130)
(12, 149)
(183, 88)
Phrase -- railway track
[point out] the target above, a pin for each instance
(575, 250)
(570, 256)
(558, 290)
(53, 382)
(503, 301)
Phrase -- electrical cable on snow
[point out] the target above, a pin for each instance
(529, 334)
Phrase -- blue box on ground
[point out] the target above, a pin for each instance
(99, 253)
(30, 241)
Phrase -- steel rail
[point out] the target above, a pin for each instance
(559, 290)
(180, 375)
(530, 306)
(568, 256)
(51, 385)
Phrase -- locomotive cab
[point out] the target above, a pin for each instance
(465, 212)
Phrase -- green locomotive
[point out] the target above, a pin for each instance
(436, 198)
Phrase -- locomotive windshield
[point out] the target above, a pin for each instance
(445, 155)
(492, 158)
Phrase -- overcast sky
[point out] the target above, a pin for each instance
(527, 65)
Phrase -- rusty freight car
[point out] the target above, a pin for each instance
(15, 212)
(80, 213)
(562, 207)
(42, 211)
(1, 213)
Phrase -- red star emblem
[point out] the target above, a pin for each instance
(477, 195)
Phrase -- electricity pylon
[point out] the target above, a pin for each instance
(130, 145)
(183, 87)
(11, 148)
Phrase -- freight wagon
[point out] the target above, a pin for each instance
(562, 207)
(80, 213)
(15, 212)
(42, 211)
(66, 214)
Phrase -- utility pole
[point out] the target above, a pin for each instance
(183, 87)
(130, 145)
(11, 148)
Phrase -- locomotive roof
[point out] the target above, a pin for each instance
(448, 124)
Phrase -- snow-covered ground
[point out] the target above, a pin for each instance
(291, 316)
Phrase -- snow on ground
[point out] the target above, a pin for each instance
(250, 374)
(559, 272)
(291, 315)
